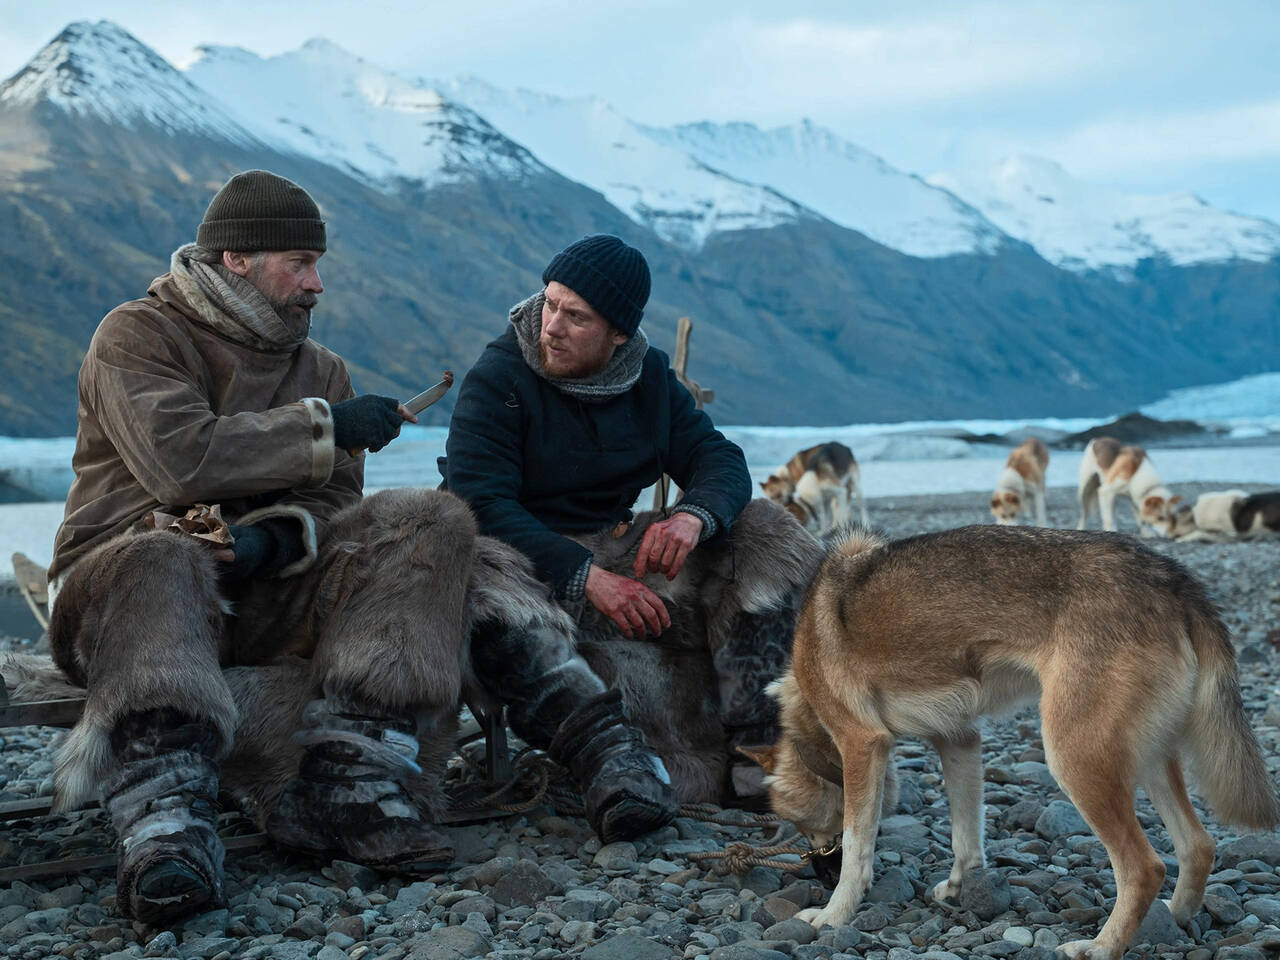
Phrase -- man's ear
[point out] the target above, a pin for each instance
(764, 756)
(237, 263)
(619, 338)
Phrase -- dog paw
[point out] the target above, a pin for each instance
(819, 917)
(946, 890)
(1180, 917)
(1086, 950)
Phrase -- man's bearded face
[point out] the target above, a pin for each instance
(290, 282)
(576, 341)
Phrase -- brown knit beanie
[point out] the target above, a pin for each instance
(257, 210)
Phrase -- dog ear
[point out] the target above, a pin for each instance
(1152, 503)
(1011, 497)
(995, 503)
(764, 756)
(1176, 498)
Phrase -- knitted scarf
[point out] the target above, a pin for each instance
(230, 304)
(619, 375)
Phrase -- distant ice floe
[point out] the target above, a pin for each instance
(1248, 407)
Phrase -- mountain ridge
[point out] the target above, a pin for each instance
(803, 320)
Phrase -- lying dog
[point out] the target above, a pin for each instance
(1129, 660)
(1228, 515)
(1022, 479)
(1108, 470)
(818, 486)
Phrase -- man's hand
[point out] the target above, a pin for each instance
(628, 603)
(666, 544)
(368, 421)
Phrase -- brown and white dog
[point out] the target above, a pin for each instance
(1108, 470)
(818, 486)
(908, 639)
(1228, 515)
(1022, 480)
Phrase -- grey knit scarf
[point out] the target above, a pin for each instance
(619, 375)
(230, 303)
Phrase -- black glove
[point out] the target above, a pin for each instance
(366, 421)
(264, 548)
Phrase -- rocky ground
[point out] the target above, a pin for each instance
(539, 885)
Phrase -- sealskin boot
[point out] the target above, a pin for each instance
(349, 798)
(162, 801)
(625, 787)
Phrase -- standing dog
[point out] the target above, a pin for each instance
(818, 486)
(1108, 470)
(1129, 660)
(1022, 479)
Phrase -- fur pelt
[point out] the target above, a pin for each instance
(732, 609)
(381, 614)
(139, 623)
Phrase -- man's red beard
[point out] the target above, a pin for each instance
(582, 367)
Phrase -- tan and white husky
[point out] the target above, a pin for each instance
(1129, 660)
(818, 486)
(1108, 470)
(1022, 480)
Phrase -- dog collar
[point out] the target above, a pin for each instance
(823, 767)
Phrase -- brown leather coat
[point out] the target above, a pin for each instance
(173, 412)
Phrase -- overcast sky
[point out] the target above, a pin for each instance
(1151, 96)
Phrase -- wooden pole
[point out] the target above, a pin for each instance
(680, 364)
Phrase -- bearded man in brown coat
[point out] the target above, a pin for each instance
(302, 667)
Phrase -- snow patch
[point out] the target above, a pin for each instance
(656, 184)
(102, 71)
(845, 183)
(1084, 226)
(329, 104)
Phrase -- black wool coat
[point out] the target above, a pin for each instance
(535, 463)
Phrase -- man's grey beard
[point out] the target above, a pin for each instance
(298, 326)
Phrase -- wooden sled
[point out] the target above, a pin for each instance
(34, 587)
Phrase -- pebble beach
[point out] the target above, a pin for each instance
(538, 884)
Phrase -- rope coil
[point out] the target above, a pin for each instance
(547, 782)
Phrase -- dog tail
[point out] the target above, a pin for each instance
(1228, 762)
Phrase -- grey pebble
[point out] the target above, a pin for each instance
(986, 893)
(1060, 819)
(801, 931)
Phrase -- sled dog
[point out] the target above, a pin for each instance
(1108, 470)
(1022, 480)
(1228, 515)
(818, 486)
(1128, 658)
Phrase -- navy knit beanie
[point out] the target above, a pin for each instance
(259, 210)
(608, 274)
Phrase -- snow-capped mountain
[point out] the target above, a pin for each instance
(100, 70)
(657, 184)
(324, 102)
(846, 184)
(1085, 226)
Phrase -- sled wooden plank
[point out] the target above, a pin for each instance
(47, 713)
(21, 809)
(102, 861)
(60, 868)
(33, 584)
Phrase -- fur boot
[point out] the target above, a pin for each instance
(625, 787)
(555, 702)
(349, 799)
(161, 798)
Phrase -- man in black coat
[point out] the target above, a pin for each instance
(559, 426)
(569, 414)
